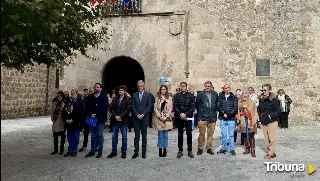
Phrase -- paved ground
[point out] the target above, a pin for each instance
(26, 145)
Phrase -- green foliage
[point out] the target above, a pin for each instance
(50, 31)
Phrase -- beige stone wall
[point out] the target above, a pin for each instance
(225, 39)
(23, 94)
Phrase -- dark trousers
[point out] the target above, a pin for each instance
(73, 139)
(123, 129)
(86, 131)
(130, 123)
(140, 126)
(188, 124)
(112, 122)
(150, 119)
(284, 119)
(56, 140)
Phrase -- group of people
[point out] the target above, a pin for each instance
(243, 111)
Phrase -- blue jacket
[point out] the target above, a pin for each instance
(204, 112)
(229, 106)
(98, 106)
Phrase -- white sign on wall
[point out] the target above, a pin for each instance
(165, 80)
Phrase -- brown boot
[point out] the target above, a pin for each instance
(253, 145)
(247, 145)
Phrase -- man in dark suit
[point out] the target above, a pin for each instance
(97, 107)
(152, 107)
(141, 105)
(120, 109)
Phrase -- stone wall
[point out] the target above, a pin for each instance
(23, 94)
(225, 37)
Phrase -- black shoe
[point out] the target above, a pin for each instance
(160, 152)
(73, 154)
(112, 154)
(53, 152)
(179, 155)
(199, 152)
(61, 152)
(233, 153)
(82, 149)
(222, 151)
(90, 154)
(242, 143)
(123, 155)
(144, 155)
(99, 155)
(67, 154)
(135, 155)
(210, 152)
(164, 154)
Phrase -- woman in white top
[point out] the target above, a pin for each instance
(285, 102)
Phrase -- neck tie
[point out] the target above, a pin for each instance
(140, 96)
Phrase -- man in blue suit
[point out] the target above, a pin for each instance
(141, 106)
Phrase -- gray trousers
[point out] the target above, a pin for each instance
(140, 126)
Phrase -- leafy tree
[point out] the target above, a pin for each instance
(50, 31)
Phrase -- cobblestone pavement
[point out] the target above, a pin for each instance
(26, 145)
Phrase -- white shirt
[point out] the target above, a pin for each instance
(254, 97)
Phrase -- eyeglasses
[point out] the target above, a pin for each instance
(264, 90)
(251, 90)
(226, 87)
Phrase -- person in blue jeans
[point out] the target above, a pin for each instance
(162, 120)
(227, 108)
(120, 109)
(73, 115)
(97, 107)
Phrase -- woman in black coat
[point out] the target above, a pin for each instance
(74, 115)
(269, 116)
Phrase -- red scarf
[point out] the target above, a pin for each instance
(247, 113)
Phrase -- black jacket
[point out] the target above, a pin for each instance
(269, 109)
(98, 105)
(184, 103)
(204, 112)
(125, 108)
(77, 114)
(227, 106)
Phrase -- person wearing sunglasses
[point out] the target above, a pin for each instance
(269, 112)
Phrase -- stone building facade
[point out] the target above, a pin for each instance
(220, 41)
(23, 94)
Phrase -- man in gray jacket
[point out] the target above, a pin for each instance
(141, 107)
(206, 105)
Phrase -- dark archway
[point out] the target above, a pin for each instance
(122, 70)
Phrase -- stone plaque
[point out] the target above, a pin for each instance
(262, 67)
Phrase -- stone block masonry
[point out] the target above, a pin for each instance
(23, 94)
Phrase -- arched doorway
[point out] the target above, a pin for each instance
(122, 70)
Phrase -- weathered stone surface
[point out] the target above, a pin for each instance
(225, 39)
(23, 94)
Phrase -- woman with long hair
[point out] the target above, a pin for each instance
(163, 121)
(285, 102)
(58, 123)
